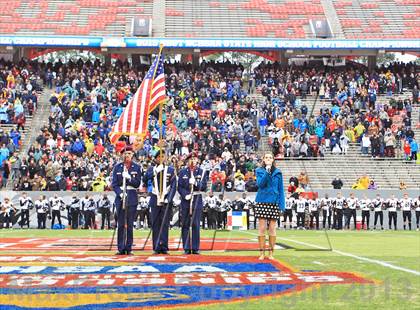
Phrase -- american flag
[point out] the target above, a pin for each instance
(135, 117)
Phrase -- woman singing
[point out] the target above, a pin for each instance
(269, 202)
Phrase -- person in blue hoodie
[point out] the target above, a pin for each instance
(270, 201)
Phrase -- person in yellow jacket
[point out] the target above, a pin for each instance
(98, 185)
(90, 147)
(350, 134)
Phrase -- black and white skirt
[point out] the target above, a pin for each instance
(267, 211)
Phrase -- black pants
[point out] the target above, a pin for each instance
(89, 219)
(325, 217)
(42, 219)
(221, 219)
(141, 217)
(204, 219)
(24, 218)
(212, 218)
(417, 218)
(55, 214)
(75, 218)
(300, 219)
(365, 216)
(338, 219)
(351, 213)
(7, 219)
(69, 217)
(106, 218)
(392, 217)
(379, 215)
(288, 214)
(407, 218)
(315, 214)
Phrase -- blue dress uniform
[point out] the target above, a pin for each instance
(125, 242)
(191, 244)
(160, 199)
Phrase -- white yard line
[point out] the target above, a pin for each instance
(318, 263)
(373, 261)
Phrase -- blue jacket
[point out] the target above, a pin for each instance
(133, 183)
(270, 187)
(170, 182)
(184, 187)
(414, 146)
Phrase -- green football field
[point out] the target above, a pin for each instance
(390, 258)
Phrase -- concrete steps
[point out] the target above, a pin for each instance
(32, 126)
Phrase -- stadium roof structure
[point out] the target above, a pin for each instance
(357, 27)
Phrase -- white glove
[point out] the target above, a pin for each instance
(187, 197)
(192, 181)
(126, 175)
(166, 201)
(122, 195)
(159, 168)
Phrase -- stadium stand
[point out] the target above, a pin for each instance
(207, 112)
(198, 18)
(75, 17)
(236, 18)
(378, 19)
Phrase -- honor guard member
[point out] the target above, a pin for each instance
(7, 209)
(314, 211)
(417, 209)
(301, 205)
(143, 213)
(192, 183)
(74, 208)
(25, 204)
(326, 204)
(407, 205)
(352, 204)
(104, 205)
(288, 211)
(131, 172)
(57, 205)
(365, 205)
(338, 211)
(392, 205)
(378, 205)
(163, 180)
(212, 203)
(42, 209)
(90, 210)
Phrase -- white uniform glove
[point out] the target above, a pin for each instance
(159, 168)
(166, 201)
(187, 197)
(192, 180)
(126, 175)
(122, 195)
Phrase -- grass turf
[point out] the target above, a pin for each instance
(394, 289)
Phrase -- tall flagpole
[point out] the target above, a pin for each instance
(160, 132)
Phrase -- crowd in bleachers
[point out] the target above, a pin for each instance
(350, 111)
(209, 111)
(19, 84)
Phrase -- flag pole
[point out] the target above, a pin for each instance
(160, 128)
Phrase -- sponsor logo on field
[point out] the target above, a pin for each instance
(108, 282)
